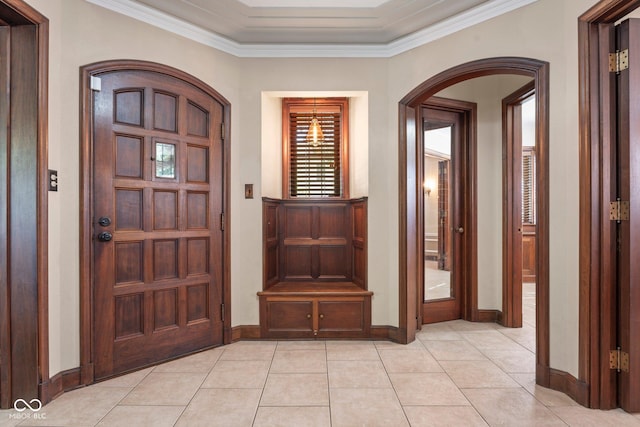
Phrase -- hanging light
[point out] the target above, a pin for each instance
(315, 136)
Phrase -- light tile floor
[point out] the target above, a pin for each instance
(455, 374)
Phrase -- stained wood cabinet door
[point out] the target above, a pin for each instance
(290, 316)
(341, 316)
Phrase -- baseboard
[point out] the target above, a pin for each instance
(489, 316)
(60, 383)
(569, 385)
(385, 332)
(245, 332)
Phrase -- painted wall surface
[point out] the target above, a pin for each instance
(82, 33)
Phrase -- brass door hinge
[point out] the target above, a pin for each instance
(222, 221)
(222, 312)
(222, 133)
(618, 61)
(619, 360)
(619, 210)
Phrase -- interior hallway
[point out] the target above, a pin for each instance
(455, 374)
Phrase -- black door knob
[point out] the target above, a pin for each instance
(105, 236)
(104, 221)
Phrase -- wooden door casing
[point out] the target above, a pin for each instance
(628, 183)
(452, 206)
(158, 283)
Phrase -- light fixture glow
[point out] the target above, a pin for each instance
(315, 136)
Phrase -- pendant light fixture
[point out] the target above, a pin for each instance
(315, 136)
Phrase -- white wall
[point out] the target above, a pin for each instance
(81, 33)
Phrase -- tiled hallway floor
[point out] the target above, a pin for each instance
(455, 374)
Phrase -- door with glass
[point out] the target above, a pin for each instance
(442, 171)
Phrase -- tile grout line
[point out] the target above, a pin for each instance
(264, 385)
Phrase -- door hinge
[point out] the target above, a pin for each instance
(222, 221)
(222, 133)
(619, 210)
(619, 360)
(222, 312)
(96, 83)
(618, 61)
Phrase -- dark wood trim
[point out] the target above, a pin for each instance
(489, 316)
(511, 206)
(245, 332)
(597, 323)
(409, 183)
(19, 13)
(60, 383)
(569, 385)
(385, 332)
(86, 201)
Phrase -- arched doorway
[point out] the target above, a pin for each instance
(410, 188)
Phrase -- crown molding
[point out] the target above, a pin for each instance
(466, 19)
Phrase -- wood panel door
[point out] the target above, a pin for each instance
(628, 167)
(443, 139)
(158, 199)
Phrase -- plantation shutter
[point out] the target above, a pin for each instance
(528, 187)
(315, 171)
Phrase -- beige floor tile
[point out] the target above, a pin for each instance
(443, 416)
(390, 345)
(371, 407)
(310, 416)
(299, 361)
(10, 417)
(491, 340)
(360, 373)
(511, 407)
(585, 417)
(199, 362)
(439, 334)
(525, 336)
(546, 396)
(142, 416)
(171, 388)
(409, 361)
(238, 374)
(296, 390)
(477, 374)
(464, 326)
(453, 350)
(301, 345)
(249, 350)
(352, 351)
(427, 389)
(513, 361)
(221, 407)
(82, 407)
(129, 380)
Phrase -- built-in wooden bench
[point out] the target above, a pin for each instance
(315, 270)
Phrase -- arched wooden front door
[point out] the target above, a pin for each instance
(157, 198)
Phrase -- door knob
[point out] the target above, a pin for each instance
(104, 221)
(460, 230)
(105, 236)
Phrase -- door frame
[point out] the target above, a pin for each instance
(469, 276)
(597, 322)
(511, 207)
(86, 198)
(409, 191)
(38, 326)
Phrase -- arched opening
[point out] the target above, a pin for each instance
(410, 189)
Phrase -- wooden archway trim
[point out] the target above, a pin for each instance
(86, 201)
(409, 191)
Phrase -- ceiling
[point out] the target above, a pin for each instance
(374, 28)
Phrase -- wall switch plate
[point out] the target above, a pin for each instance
(248, 191)
(53, 180)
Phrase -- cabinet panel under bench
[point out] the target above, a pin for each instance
(300, 314)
